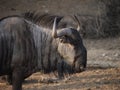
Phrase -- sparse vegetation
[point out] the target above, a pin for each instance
(99, 19)
(102, 25)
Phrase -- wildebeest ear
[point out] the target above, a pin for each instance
(75, 18)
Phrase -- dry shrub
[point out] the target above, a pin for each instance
(97, 27)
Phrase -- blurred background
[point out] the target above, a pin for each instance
(99, 18)
(100, 30)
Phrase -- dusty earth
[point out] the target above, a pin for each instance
(103, 68)
(91, 79)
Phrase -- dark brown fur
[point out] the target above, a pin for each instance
(26, 46)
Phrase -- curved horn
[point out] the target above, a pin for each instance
(54, 32)
(65, 31)
(62, 32)
(78, 22)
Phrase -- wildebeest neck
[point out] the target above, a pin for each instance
(46, 48)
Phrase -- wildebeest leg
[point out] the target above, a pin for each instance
(17, 79)
(60, 75)
(60, 69)
(9, 79)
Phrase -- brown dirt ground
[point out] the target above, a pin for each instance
(91, 79)
(103, 70)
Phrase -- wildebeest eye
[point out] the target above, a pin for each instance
(64, 39)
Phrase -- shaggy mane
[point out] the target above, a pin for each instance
(44, 20)
(9, 17)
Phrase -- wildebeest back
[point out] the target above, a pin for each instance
(16, 45)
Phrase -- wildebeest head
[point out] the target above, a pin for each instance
(69, 43)
(71, 47)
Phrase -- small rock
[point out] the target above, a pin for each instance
(44, 6)
(116, 54)
(104, 54)
(13, 9)
(89, 89)
(46, 11)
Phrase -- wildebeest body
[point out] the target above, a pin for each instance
(18, 52)
(26, 47)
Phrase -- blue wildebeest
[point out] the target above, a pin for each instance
(27, 46)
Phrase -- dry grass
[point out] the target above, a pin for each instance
(103, 72)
